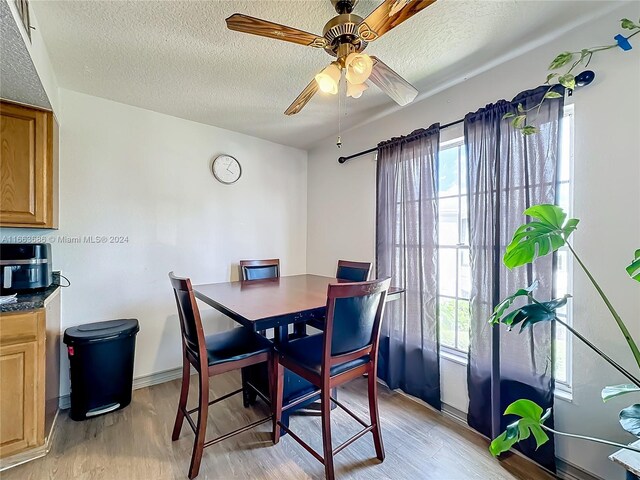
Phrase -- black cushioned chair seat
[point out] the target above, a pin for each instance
(235, 344)
(307, 352)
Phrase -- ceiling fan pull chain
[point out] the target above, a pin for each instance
(339, 140)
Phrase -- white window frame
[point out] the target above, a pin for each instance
(564, 389)
(452, 353)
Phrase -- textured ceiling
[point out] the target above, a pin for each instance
(178, 57)
(18, 78)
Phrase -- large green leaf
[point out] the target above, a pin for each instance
(533, 313)
(539, 237)
(529, 424)
(529, 315)
(630, 419)
(506, 440)
(612, 391)
(502, 307)
(634, 268)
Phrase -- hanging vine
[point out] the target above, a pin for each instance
(567, 79)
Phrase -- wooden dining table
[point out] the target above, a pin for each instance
(270, 303)
(274, 303)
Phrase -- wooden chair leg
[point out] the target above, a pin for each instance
(277, 390)
(201, 429)
(182, 403)
(375, 419)
(325, 407)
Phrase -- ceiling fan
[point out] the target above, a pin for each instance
(345, 36)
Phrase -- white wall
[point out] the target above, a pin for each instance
(341, 211)
(125, 171)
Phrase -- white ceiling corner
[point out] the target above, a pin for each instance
(178, 58)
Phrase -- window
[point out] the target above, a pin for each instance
(563, 265)
(453, 247)
(453, 250)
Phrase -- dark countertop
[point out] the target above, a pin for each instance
(29, 300)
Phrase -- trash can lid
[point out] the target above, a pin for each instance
(100, 331)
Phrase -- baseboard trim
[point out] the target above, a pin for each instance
(139, 382)
(157, 378)
(569, 471)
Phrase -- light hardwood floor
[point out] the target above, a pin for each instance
(135, 443)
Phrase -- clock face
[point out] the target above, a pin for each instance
(226, 169)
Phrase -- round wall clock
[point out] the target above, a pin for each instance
(226, 169)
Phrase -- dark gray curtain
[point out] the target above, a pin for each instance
(507, 173)
(407, 250)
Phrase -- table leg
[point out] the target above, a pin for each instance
(249, 396)
(280, 334)
(300, 330)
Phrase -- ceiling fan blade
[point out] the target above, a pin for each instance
(263, 28)
(391, 83)
(388, 15)
(304, 97)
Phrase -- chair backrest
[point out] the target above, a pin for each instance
(354, 314)
(259, 269)
(189, 315)
(353, 271)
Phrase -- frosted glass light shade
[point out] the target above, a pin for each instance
(329, 79)
(354, 90)
(358, 66)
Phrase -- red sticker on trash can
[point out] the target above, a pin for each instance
(70, 350)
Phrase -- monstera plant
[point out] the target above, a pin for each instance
(547, 232)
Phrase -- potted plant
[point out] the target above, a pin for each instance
(547, 232)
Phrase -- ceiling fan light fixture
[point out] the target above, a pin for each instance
(329, 79)
(358, 67)
(354, 90)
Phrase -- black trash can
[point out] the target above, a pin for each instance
(101, 366)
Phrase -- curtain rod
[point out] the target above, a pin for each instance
(582, 80)
(374, 149)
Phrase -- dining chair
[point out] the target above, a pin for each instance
(251, 270)
(259, 269)
(347, 349)
(211, 355)
(353, 271)
(347, 270)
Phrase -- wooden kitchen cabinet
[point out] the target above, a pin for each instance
(29, 381)
(22, 381)
(28, 167)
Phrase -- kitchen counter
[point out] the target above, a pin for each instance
(30, 300)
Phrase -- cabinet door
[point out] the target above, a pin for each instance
(26, 166)
(18, 402)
